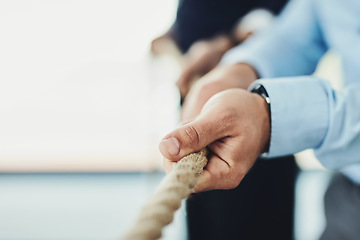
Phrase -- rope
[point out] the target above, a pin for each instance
(159, 210)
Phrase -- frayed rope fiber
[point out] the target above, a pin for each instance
(176, 186)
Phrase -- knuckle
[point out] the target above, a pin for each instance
(233, 183)
(230, 186)
(239, 177)
(234, 180)
(190, 135)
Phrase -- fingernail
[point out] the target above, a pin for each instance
(171, 145)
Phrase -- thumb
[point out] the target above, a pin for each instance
(190, 138)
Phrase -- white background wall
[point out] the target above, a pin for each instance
(76, 89)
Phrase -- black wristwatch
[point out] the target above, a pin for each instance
(259, 89)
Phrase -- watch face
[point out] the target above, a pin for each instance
(260, 89)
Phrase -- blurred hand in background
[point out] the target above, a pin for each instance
(221, 78)
(204, 54)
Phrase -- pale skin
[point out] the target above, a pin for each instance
(234, 124)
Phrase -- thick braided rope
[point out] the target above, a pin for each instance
(159, 210)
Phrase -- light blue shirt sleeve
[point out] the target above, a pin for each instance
(291, 47)
(305, 111)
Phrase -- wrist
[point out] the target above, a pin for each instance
(244, 73)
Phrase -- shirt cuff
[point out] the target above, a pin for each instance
(299, 113)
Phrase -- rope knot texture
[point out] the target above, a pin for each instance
(176, 186)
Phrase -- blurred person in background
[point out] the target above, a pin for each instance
(204, 30)
(286, 111)
(262, 205)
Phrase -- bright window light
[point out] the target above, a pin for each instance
(78, 91)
